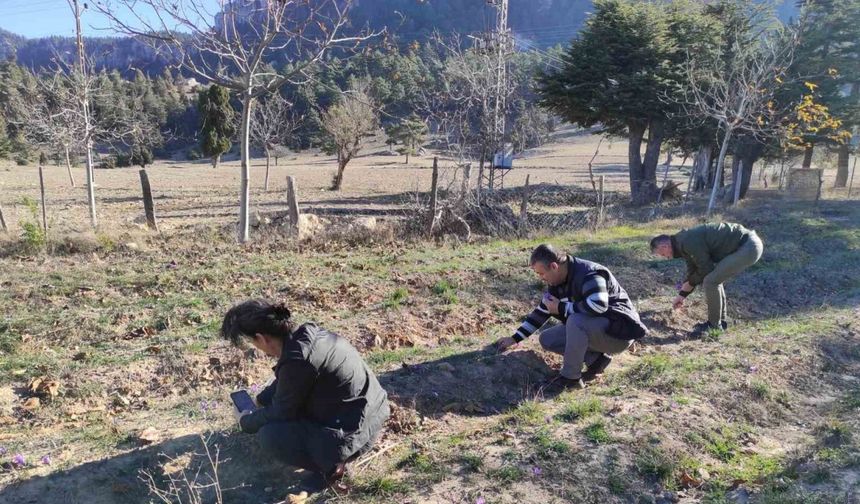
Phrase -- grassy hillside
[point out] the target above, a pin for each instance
(765, 413)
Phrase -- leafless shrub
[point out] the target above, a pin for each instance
(187, 481)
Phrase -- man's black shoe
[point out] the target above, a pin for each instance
(596, 368)
(559, 382)
(704, 327)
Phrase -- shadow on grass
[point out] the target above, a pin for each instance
(119, 478)
(475, 383)
(479, 382)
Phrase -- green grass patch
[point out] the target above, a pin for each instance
(529, 412)
(579, 409)
(384, 486)
(446, 290)
(507, 474)
(597, 433)
(472, 462)
(547, 445)
(663, 373)
(396, 298)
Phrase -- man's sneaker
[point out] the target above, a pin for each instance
(724, 324)
(596, 368)
(559, 382)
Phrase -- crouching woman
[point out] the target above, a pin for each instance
(325, 407)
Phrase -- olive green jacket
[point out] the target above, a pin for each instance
(702, 247)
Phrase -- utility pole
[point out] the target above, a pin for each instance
(85, 111)
(501, 44)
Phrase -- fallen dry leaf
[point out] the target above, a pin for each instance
(297, 498)
(32, 403)
(148, 436)
(688, 481)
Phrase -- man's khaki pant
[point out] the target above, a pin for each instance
(748, 254)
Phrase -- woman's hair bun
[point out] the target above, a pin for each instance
(280, 311)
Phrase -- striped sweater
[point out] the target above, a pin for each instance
(595, 302)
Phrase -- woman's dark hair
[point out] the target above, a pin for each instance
(256, 316)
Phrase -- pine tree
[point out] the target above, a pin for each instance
(410, 133)
(218, 127)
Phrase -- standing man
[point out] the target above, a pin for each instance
(715, 253)
(598, 318)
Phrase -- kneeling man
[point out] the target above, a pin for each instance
(598, 318)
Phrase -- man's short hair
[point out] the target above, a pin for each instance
(546, 254)
(659, 240)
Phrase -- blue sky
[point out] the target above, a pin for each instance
(41, 18)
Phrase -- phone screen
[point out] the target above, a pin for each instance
(242, 401)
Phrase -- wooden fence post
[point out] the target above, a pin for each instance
(467, 180)
(293, 204)
(853, 170)
(431, 220)
(148, 205)
(602, 199)
(44, 208)
(3, 221)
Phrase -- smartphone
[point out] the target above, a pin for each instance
(242, 401)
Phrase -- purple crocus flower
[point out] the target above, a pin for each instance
(753, 369)
(254, 388)
(203, 406)
(678, 286)
(46, 460)
(480, 500)
(536, 471)
(2, 450)
(18, 460)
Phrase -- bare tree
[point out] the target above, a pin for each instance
(462, 107)
(231, 47)
(347, 122)
(273, 120)
(738, 92)
(84, 86)
(53, 118)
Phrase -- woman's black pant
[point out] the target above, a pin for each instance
(308, 445)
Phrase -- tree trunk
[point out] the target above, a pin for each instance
(245, 190)
(842, 166)
(216, 160)
(634, 160)
(268, 161)
(656, 133)
(69, 167)
(720, 163)
(702, 168)
(407, 158)
(807, 156)
(91, 182)
(338, 179)
(746, 174)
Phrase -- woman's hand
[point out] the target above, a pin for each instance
(678, 302)
(239, 414)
